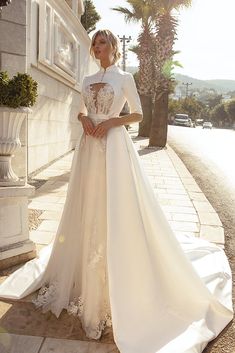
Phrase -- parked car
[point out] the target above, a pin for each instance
(199, 122)
(183, 120)
(207, 125)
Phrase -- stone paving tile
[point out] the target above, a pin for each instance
(39, 247)
(185, 217)
(176, 191)
(51, 215)
(180, 203)
(203, 206)
(3, 308)
(52, 192)
(65, 346)
(48, 226)
(10, 343)
(41, 237)
(209, 218)
(45, 206)
(191, 234)
(197, 196)
(53, 185)
(188, 181)
(174, 188)
(184, 226)
(170, 182)
(158, 183)
(192, 187)
(179, 209)
(47, 198)
(159, 191)
(213, 234)
(172, 196)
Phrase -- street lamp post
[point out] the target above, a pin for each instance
(124, 40)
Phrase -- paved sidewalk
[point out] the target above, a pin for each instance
(25, 330)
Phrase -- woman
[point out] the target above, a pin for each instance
(115, 260)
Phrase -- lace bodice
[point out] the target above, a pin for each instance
(106, 92)
(99, 98)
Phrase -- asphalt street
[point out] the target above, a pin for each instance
(209, 154)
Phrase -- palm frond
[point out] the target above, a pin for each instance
(128, 14)
(169, 5)
(135, 49)
(140, 10)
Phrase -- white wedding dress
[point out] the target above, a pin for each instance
(115, 260)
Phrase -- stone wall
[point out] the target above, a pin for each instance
(13, 37)
(13, 58)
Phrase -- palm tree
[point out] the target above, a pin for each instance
(143, 11)
(165, 24)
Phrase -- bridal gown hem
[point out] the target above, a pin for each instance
(114, 260)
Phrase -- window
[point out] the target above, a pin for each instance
(59, 48)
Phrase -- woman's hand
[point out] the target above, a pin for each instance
(102, 128)
(87, 124)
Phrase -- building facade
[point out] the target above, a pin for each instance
(45, 38)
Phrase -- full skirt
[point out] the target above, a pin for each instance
(115, 260)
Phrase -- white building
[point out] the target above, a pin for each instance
(46, 39)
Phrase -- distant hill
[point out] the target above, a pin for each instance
(227, 85)
(221, 86)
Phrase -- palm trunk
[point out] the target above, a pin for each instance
(147, 107)
(158, 133)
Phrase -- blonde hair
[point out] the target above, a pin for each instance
(112, 40)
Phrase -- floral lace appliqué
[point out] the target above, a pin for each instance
(46, 296)
(99, 102)
(76, 308)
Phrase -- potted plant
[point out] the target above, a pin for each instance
(16, 96)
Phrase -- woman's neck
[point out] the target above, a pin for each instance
(105, 64)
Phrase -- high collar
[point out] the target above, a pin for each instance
(112, 67)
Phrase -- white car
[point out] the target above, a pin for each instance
(207, 125)
(183, 120)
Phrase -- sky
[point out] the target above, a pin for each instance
(206, 36)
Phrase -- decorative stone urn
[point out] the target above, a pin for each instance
(10, 124)
(15, 245)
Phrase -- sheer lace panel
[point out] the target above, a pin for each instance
(99, 98)
(47, 295)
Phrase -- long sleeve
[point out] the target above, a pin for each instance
(82, 107)
(131, 94)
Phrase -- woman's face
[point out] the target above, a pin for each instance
(102, 48)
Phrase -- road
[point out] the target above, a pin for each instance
(210, 157)
(215, 147)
